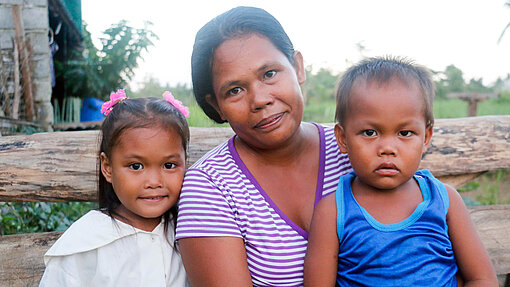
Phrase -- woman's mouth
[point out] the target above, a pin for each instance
(269, 121)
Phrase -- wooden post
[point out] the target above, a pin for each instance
(17, 92)
(25, 62)
(472, 108)
(472, 99)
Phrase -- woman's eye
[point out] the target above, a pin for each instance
(369, 133)
(405, 133)
(169, 165)
(234, 91)
(136, 166)
(269, 74)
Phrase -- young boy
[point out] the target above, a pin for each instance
(388, 223)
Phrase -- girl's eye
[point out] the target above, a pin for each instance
(169, 165)
(136, 166)
(269, 74)
(369, 133)
(234, 91)
(405, 133)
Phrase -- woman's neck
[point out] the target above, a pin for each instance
(285, 154)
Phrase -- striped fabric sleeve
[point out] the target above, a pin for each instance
(204, 210)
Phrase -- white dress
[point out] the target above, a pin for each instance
(97, 250)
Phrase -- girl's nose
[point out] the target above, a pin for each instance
(153, 180)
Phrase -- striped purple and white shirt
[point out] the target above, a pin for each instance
(220, 197)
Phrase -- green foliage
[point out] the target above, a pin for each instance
(319, 86)
(96, 72)
(31, 217)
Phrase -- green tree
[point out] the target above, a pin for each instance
(319, 86)
(95, 72)
(507, 25)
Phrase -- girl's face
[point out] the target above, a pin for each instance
(384, 132)
(257, 90)
(146, 169)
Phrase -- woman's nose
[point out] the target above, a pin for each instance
(260, 98)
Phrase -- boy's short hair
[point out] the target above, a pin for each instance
(381, 70)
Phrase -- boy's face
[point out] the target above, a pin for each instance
(384, 132)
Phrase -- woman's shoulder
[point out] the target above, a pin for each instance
(213, 157)
(91, 231)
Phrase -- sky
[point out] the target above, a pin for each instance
(434, 33)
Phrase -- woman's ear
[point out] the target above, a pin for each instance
(299, 67)
(106, 168)
(211, 100)
(428, 137)
(340, 138)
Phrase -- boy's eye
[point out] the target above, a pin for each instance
(136, 166)
(269, 74)
(369, 133)
(405, 133)
(169, 165)
(234, 91)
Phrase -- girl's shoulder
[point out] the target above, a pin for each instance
(93, 230)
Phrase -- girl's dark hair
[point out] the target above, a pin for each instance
(237, 22)
(382, 70)
(131, 114)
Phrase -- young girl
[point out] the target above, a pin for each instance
(128, 241)
(389, 224)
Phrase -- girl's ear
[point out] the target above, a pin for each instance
(428, 137)
(106, 168)
(340, 138)
(212, 101)
(299, 67)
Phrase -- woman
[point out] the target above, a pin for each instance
(246, 206)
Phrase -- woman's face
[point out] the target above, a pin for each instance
(257, 90)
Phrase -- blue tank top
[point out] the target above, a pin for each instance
(414, 252)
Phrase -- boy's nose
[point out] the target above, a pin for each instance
(387, 147)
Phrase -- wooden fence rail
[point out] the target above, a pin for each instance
(61, 166)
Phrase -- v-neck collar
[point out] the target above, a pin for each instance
(320, 179)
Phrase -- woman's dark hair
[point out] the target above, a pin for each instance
(131, 114)
(237, 22)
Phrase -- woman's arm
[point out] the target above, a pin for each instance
(321, 261)
(215, 261)
(472, 258)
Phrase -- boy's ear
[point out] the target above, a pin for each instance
(340, 138)
(212, 101)
(428, 137)
(106, 168)
(299, 67)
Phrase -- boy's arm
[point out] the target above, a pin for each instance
(321, 261)
(472, 259)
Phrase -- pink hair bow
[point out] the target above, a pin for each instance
(115, 98)
(176, 103)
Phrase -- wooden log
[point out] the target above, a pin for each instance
(61, 166)
(22, 257)
(22, 254)
(493, 225)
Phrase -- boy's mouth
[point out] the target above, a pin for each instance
(387, 169)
